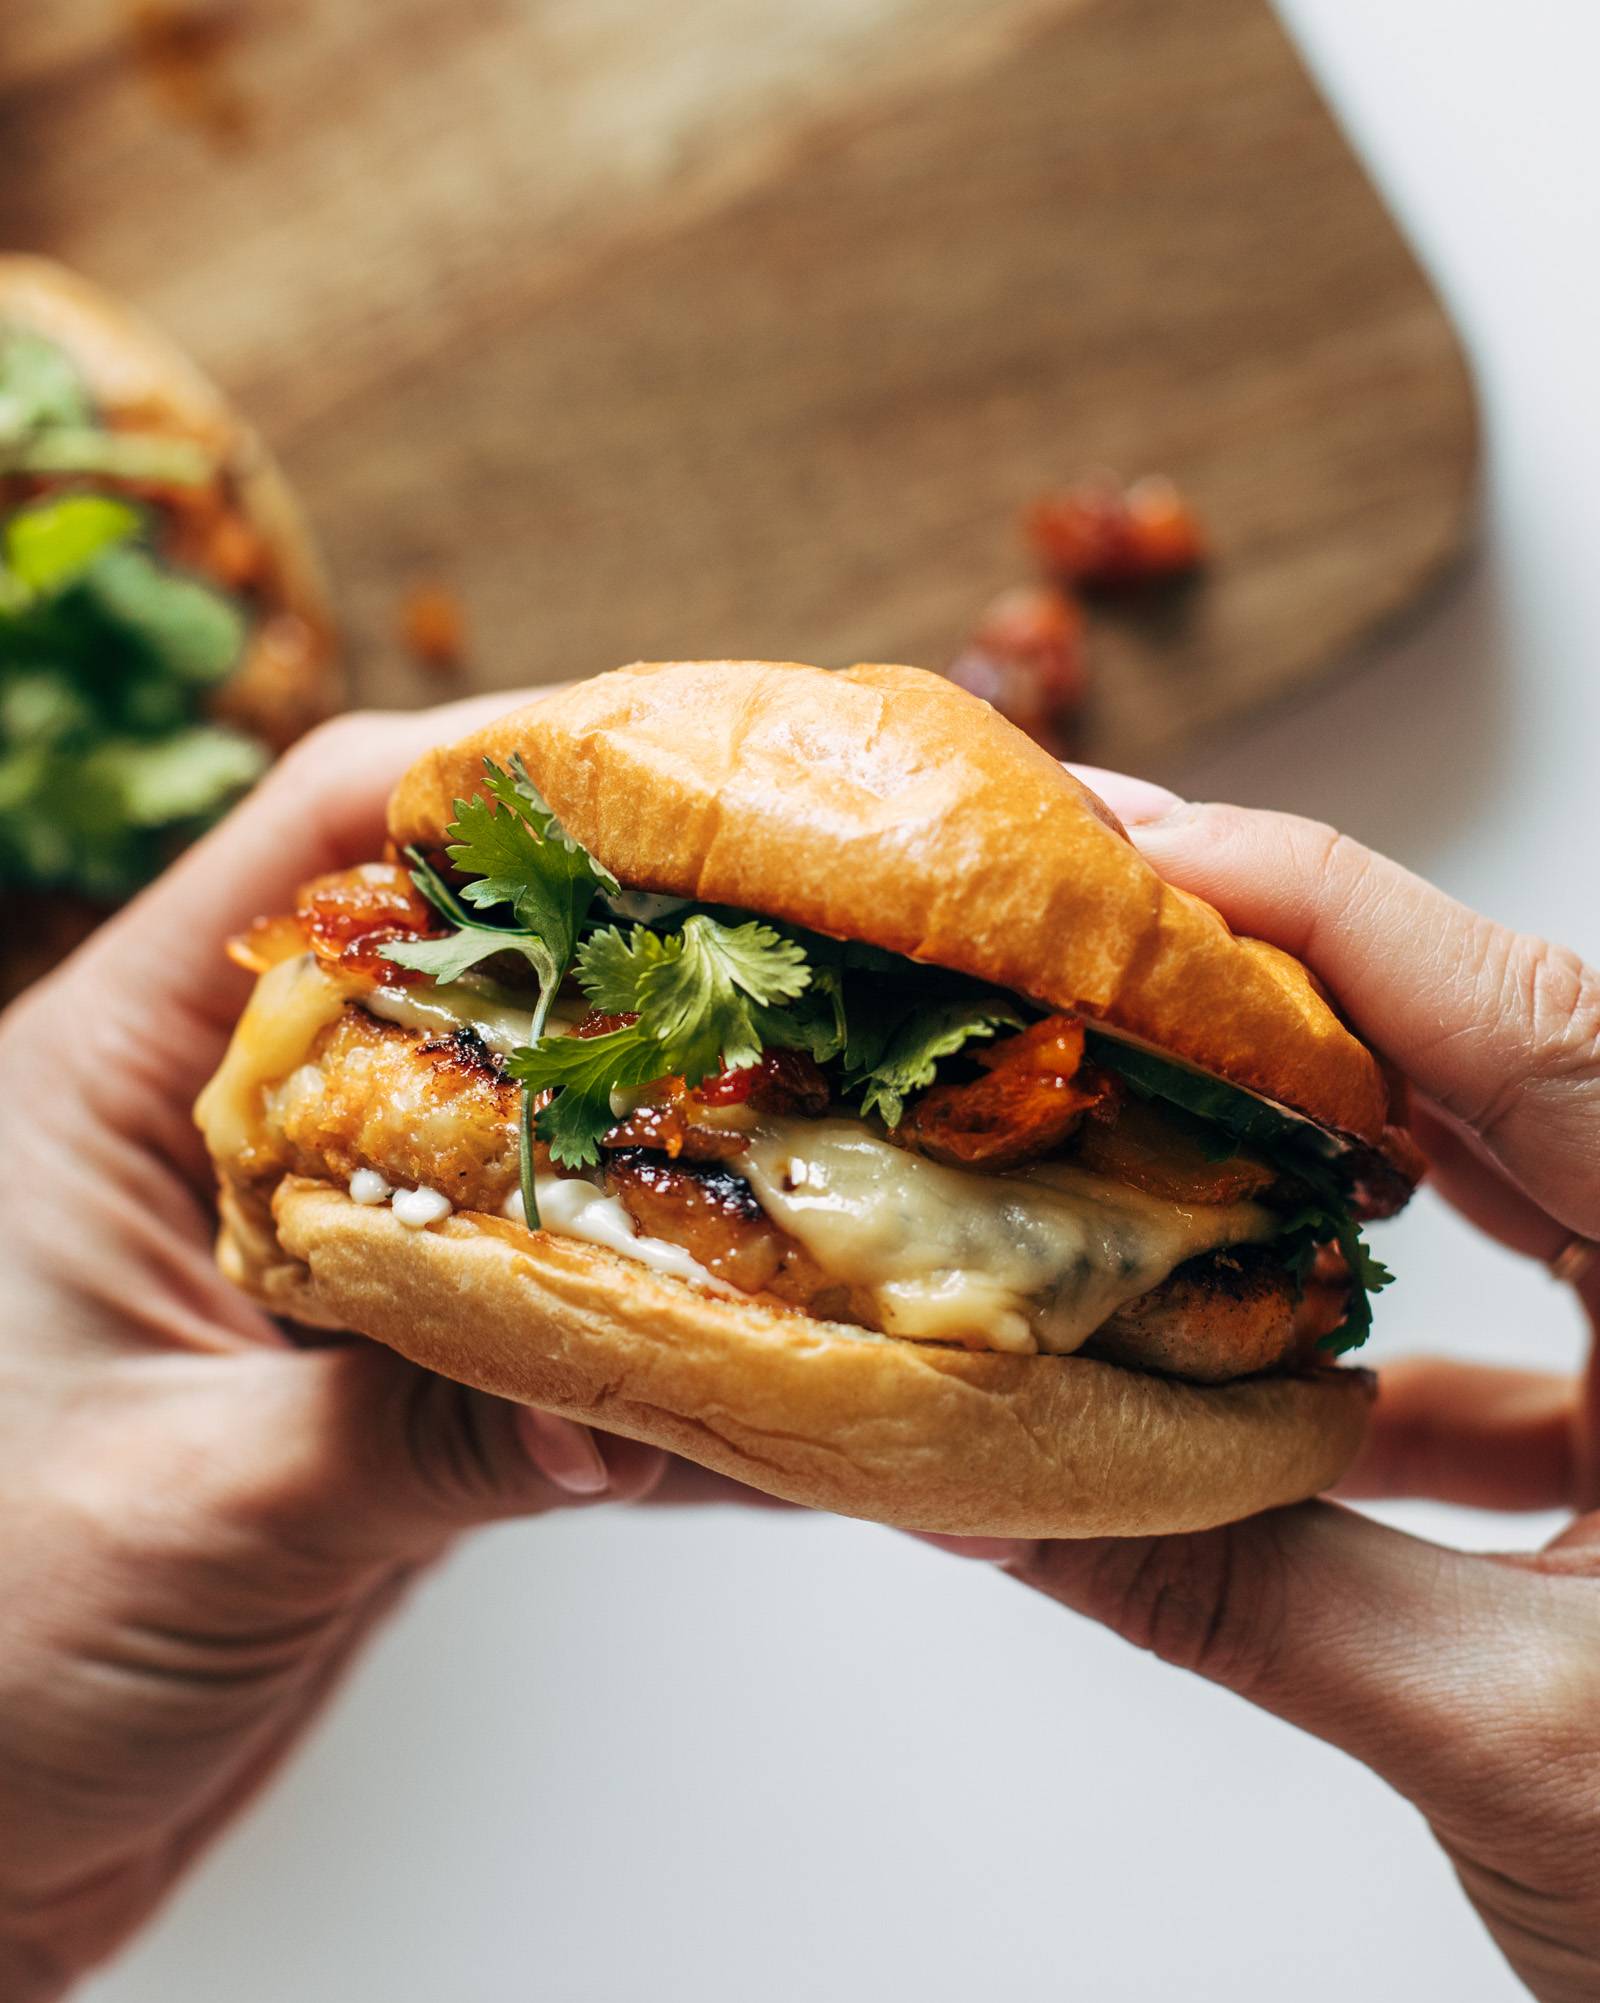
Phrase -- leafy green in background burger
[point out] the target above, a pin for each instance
(163, 625)
(107, 762)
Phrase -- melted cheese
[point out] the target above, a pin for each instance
(291, 1005)
(1018, 1262)
(502, 1024)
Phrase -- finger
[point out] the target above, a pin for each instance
(1465, 1433)
(1410, 1657)
(1501, 1029)
(1131, 800)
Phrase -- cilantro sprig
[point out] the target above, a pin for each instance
(705, 998)
(515, 854)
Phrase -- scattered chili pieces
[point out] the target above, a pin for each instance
(1026, 656)
(1102, 537)
(433, 628)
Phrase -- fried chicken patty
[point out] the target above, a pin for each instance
(435, 1111)
(420, 1109)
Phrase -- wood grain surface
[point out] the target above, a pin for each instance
(691, 327)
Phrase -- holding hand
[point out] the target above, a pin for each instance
(204, 1521)
(1470, 1683)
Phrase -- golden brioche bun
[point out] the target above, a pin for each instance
(914, 1434)
(139, 380)
(884, 804)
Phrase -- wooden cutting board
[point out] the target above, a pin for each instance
(698, 327)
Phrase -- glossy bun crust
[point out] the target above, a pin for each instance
(884, 804)
(914, 1434)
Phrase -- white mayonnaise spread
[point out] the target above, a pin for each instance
(418, 1208)
(368, 1187)
(572, 1208)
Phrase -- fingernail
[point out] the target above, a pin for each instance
(563, 1451)
(1135, 802)
(991, 1550)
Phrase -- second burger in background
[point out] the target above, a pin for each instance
(164, 627)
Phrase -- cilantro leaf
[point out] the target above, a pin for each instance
(515, 853)
(707, 996)
(1368, 1276)
(520, 793)
(582, 1072)
(182, 629)
(705, 992)
(447, 959)
(151, 458)
(908, 1057)
(156, 781)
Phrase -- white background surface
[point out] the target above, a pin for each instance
(721, 1759)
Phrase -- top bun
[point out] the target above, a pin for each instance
(884, 804)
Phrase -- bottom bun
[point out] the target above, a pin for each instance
(928, 1438)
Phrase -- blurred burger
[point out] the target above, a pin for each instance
(164, 627)
(804, 1072)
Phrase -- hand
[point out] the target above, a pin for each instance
(202, 1520)
(1470, 1683)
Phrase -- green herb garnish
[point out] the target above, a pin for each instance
(909, 1056)
(515, 854)
(707, 997)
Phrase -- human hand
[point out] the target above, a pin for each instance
(202, 1521)
(1470, 1683)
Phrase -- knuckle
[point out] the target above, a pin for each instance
(1551, 999)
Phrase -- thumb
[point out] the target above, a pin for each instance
(1414, 1659)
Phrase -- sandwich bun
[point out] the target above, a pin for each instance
(879, 804)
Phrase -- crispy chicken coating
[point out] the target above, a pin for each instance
(424, 1111)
